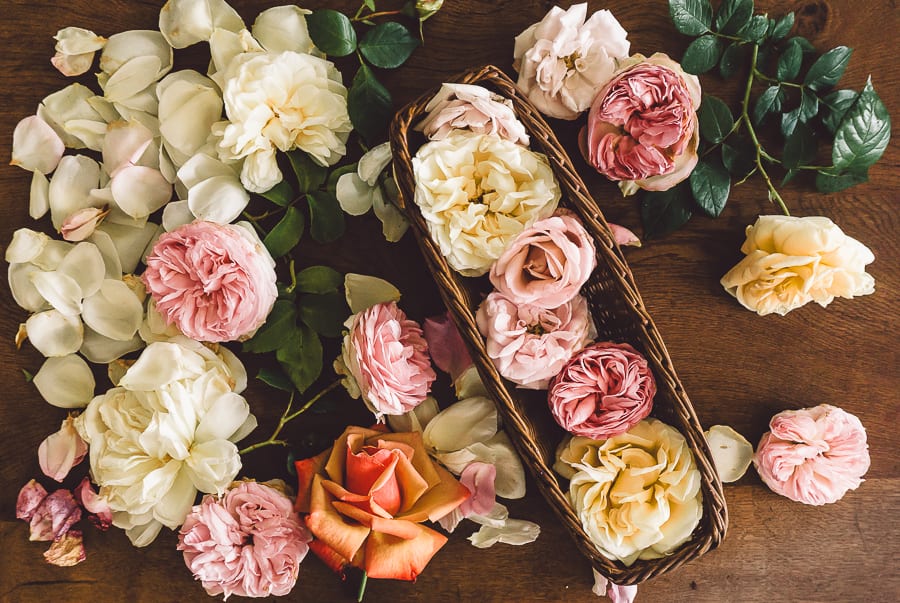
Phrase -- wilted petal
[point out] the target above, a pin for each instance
(30, 497)
(71, 186)
(213, 465)
(129, 241)
(67, 550)
(109, 253)
(373, 163)
(36, 146)
(123, 47)
(220, 199)
(101, 514)
(114, 311)
(101, 350)
(77, 40)
(731, 452)
(227, 414)
(175, 214)
(61, 451)
(71, 65)
(85, 266)
(353, 194)
(365, 291)
(462, 424)
(283, 28)
(61, 291)
(54, 334)
(515, 531)
(39, 197)
(67, 105)
(66, 382)
(140, 191)
(54, 516)
(623, 236)
(186, 22)
(81, 224)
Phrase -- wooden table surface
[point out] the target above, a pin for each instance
(738, 368)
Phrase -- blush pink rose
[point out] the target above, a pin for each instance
(813, 455)
(387, 356)
(603, 391)
(215, 282)
(464, 106)
(248, 543)
(642, 128)
(547, 264)
(530, 344)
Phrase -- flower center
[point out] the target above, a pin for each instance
(571, 60)
(535, 329)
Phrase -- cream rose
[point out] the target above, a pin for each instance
(792, 261)
(477, 193)
(637, 494)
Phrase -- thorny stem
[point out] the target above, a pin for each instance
(286, 417)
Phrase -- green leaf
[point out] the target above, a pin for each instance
(388, 45)
(828, 68)
(805, 44)
(301, 357)
(691, 17)
(829, 182)
(789, 62)
(733, 15)
(799, 147)
(310, 175)
(711, 185)
(326, 217)
(319, 279)
(731, 61)
(789, 121)
(331, 32)
(276, 378)
(782, 27)
(789, 175)
(664, 212)
(864, 133)
(336, 174)
(716, 120)
(369, 105)
(755, 30)
(809, 105)
(767, 102)
(738, 160)
(276, 330)
(370, 4)
(324, 313)
(286, 234)
(838, 103)
(29, 377)
(702, 54)
(281, 194)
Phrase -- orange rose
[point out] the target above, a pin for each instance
(366, 499)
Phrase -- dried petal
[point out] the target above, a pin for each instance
(71, 65)
(36, 146)
(61, 451)
(54, 334)
(67, 550)
(66, 382)
(30, 497)
(731, 452)
(624, 236)
(514, 531)
(54, 516)
(77, 40)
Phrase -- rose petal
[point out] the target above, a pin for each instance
(176, 213)
(623, 236)
(226, 415)
(186, 22)
(60, 290)
(344, 536)
(71, 186)
(21, 285)
(213, 465)
(70, 104)
(219, 199)
(124, 47)
(39, 196)
(54, 516)
(353, 194)
(61, 451)
(189, 104)
(400, 559)
(85, 266)
(114, 311)
(283, 28)
(130, 242)
(80, 225)
(66, 382)
(101, 514)
(515, 531)
(417, 418)
(30, 497)
(448, 350)
(364, 291)
(101, 350)
(731, 452)
(373, 163)
(462, 424)
(67, 550)
(77, 40)
(393, 223)
(55, 334)
(124, 144)
(71, 65)
(36, 146)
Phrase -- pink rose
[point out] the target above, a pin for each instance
(642, 128)
(530, 344)
(248, 543)
(215, 282)
(603, 391)
(813, 455)
(464, 106)
(547, 264)
(386, 355)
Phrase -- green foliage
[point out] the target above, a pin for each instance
(301, 357)
(733, 15)
(691, 17)
(286, 234)
(388, 45)
(310, 175)
(370, 105)
(332, 32)
(326, 217)
(827, 69)
(702, 54)
(319, 279)
(710, 185)
(281, 194)
(716, 121)
(666, 211)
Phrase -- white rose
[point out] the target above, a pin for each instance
(478, 192)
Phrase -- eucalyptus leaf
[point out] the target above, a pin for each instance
(755, 30)
(799, 147)
(275, 377)
(388, 45)
(732, 59)
(739, 160)
(809, 105)
(830, 182)
(789, 62)
(702, 54)
(369, 104)
(715, 118)
(301, 357)
(286, 234)
(281, 194)
(789, 121)
(332, 32)
(664, 212)
(828, 68)
(782, 27)
(319, 279)
(710, 185)
(691, 17)
(864, 133)
(837, 103)
(310, 175)
(767, 102)
(326, 217)
(324, 313)
(733, 15)
(277, 329)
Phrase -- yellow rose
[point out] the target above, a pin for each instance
(637, 494)
(792, 261)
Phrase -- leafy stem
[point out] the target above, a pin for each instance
(287, 416)
(385, 13)
(759, 74)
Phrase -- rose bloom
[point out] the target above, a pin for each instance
(642, 129)
(477, 193)
(547, 264)
(604, 390)
(385, 360)
(564, 59)
(367, 497)
(637, 494)
(792, 261)
(464, 106)
(215, 282)
(249, 543)
(280, 102)
(530, 344)
(813, 455)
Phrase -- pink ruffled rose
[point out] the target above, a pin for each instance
(813, 455)
(215, 282)
(385, 360)
(464, 106)
(547, 264)
(530, 344)
(642, 129)
(604, 390)
(248, 543)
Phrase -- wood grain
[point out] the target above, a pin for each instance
(738, 368)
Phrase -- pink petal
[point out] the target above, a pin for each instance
(623, 236)
(100, 513)
(54, 516)
(478, 478)
(448, 351)
(61, 451)
(30, 497)
(67, 550)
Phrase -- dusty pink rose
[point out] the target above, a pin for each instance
(603, 391)
(248, 543)
(813, 455)
(61, 451)
(464, 106)
(547, 264)
(642, 128)
(215, 282)
(530, 344)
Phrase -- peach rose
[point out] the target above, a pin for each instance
(367, 497)
(642, 129)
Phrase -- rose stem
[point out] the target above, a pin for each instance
(362, 587)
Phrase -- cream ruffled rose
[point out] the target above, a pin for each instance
(637, 494)
(792, 261)
(477, 193)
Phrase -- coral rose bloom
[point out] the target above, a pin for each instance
(642, 128)
(366, 499)
(215, 282)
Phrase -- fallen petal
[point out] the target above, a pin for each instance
(189, 104)
(731, 452)
(102, 350)
(77, 40)
(66, 382)
(81, 224)
(114, 311)
(71, 65)
(85, 266)
(623, 236)
(373, 163)
(283, 28)
(220, 199)
(124, 144)
(393, 223)
(101, 515)
(139, 191)
(30, 497)
(72, 103)
(67, 550)
(61, 451)
(26, 246)
(39, 197)
(60, 290)
(175, 214)
(71, 186)
(54, 334)
(54, 516)
(516, 532)
(417, 418)
(186, 22)
(447, 348)
(129, 241)
(462, 424)
(123, 47)
(353, 194)
(108, 251)
(36, 146)
(364, 291)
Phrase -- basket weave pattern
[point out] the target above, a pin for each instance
(619, 315)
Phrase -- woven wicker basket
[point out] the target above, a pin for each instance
(619, 315)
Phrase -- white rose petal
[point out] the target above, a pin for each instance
(514, 531)
(84, 264)
(130, 242)
(202, 167)
(26, 245)
(373, 163)
(140, 535)
(213, 465)
(175, 214)
(499, 451)
(731, 452)
(189, 104)
(66, 382)
(172, 508)
(102, 350)
(69, 104)
(71, 65)
(21, 285)
(260, 171)
(220, 199)
(114, 311)
(131, 78)
(365, 291)
(469, 384)
(36, 146)
(249, 425)
(105, 109)
(393, 223)
(111, 263)
(224, 47)
(462, 424)
(60, 290)
(123, 47)
(139, 191)
(124, 144)
(54, 334)
(353, 194)
(416, 419)
(186, 22)
(39, 196)
(161, 364)
(90, 132)
(71, 186)
(283, 28)
(77, 40)
(223, 419)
